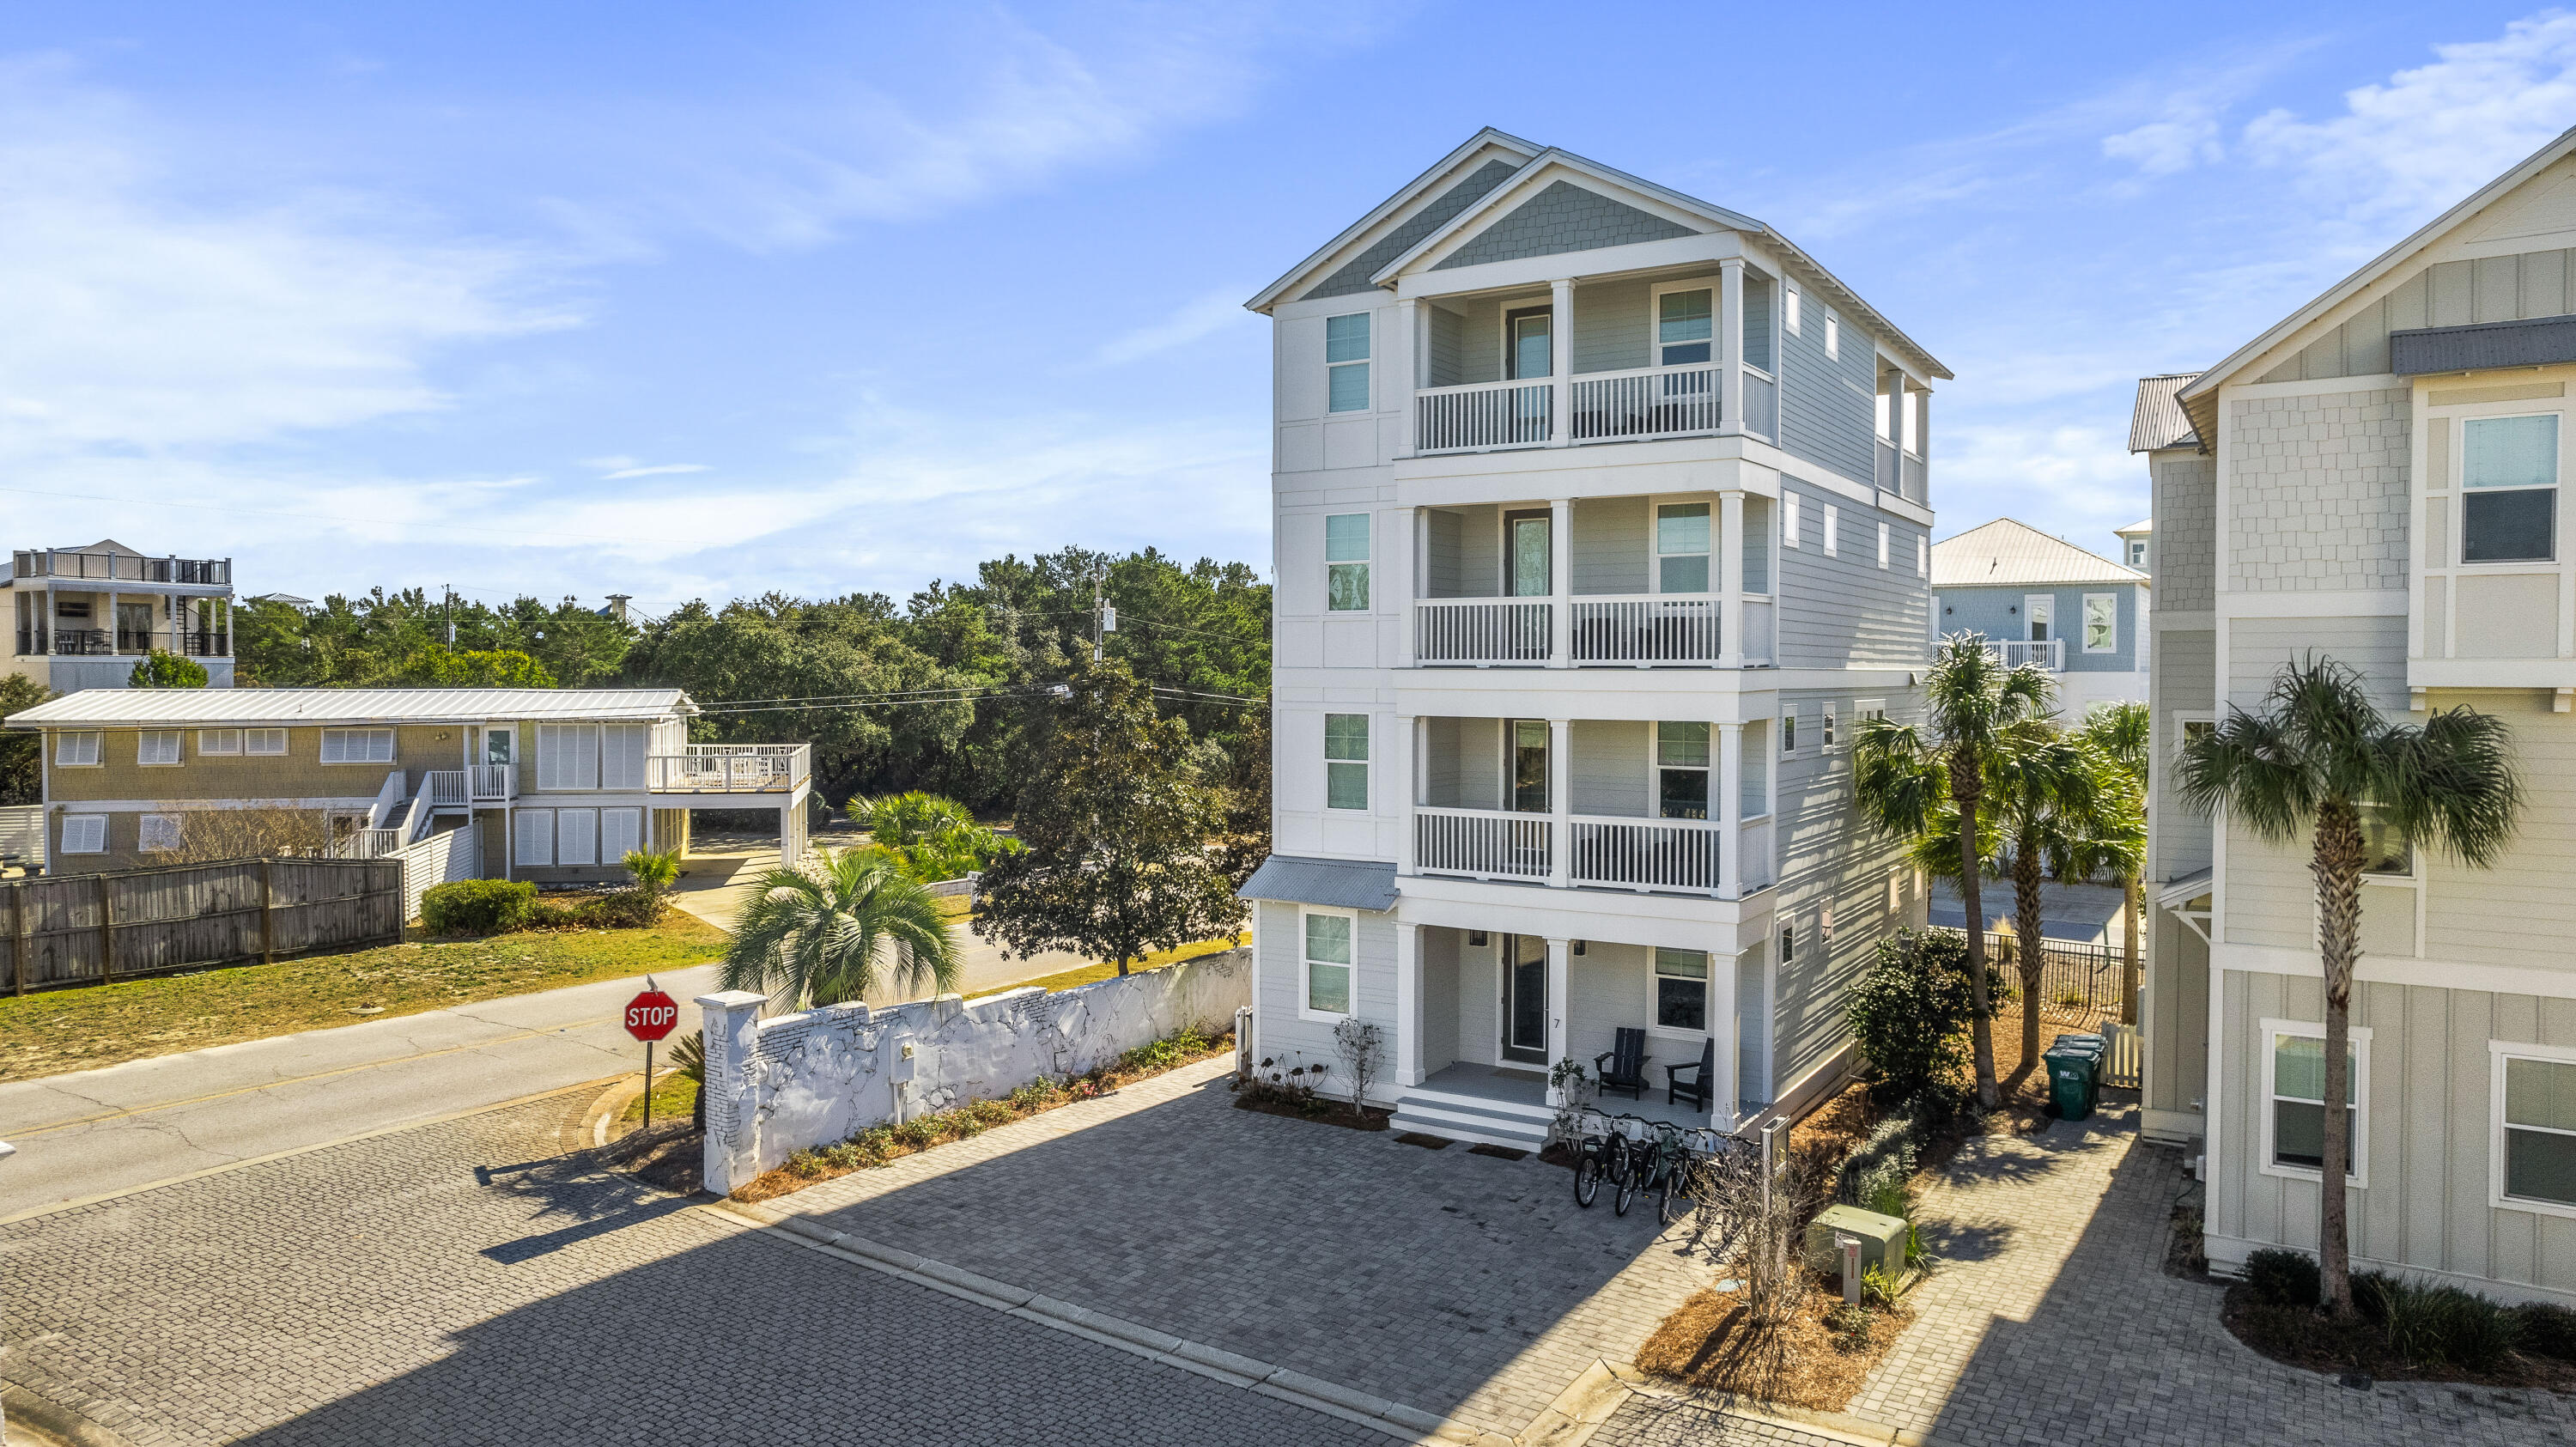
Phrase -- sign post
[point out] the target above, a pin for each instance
(650, 1016)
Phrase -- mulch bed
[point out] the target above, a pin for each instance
(671, 1156)
(1332, 1112)
(2301, 1336)
(1711, 1343)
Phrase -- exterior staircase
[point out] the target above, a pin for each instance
(1475, 1119)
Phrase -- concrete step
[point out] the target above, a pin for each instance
(1482, 1122)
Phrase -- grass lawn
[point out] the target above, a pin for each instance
(1092, 974)
(80, 1029)
(674, 1095)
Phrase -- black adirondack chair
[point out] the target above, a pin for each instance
(1623, 1065)
(1698, 1088)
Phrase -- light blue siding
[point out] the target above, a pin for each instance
(1828, 406)
(1996, 613)
(1847, 609)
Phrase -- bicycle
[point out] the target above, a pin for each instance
(1595, 1153)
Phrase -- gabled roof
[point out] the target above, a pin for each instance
(2199, 399)
(1490, 202)
(2006, 553)
(2158, 420)
(274, 707)
(2142, 525)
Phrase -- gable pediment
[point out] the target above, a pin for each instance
(1352, 276)
(1562, 217)
(2546, 208)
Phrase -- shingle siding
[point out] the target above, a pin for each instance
(1564, 217)
(2317, 492)
(1352, 276)
(2186, 530)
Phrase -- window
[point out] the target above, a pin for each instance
(1833, 335)
(1789, 519)
(219, 741)
(1789, 309)
(1826, 737)
(2535, 1094)
(576, 836)
(84, 834)
(1788, 730)
(2101, 622)
(1346, 562)
(1788, 943)
(1869, 708)
(1681, 770)
(76, 751)
(1346, 362)
(567, 756)
(1685, 327)
(1328, 964)
(621, 755)
(2509, 468)
(1922, 554)
(1882, 545)
(1529, 765)
(2384, 850)
(2137, 552)
(1833, 529)
(357, 746)
(1912, 441)
(159, 833)
(496, 747)
(1681, 547)
(1346, 751)
(533, 841)
(1681, 989)
(156, 746)
(2038, 612)
(621, 832)
(263, 741)
(1529, 343)
(2294, 1078)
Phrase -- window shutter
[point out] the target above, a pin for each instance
(549, 756)
(576, 836)
(621, 831)
(77, 750)
(380, 746)
(621, 756)
(581, 756)
(536, 836)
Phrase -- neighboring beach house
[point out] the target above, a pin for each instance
(83, 617)
(2043, 600)
(1602, 518)
(551, 785)
(2377, 479)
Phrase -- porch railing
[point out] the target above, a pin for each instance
(84, 642)
(1645, 854)
(445, 788)
(1646, 629)
(205, 642)
(729, 769)
(1645, 402)
(493, 781)
(1483, 415)
(1761, 403)
(134, 640)
(121, 567)
(367, 844)
(1486, 843)
(1481, 630)
(2048, 653)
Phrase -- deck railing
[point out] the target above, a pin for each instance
(84, 642)
(1481, 630)
(1646, 629)
(367, 844)
(1486, 843)
(1644, 402)
(2048, 653)
(730, 769)
(121, 567)
(1761, 404)
(445, 789)
(1646, 854)
(205, 642)
(493, 781)
(1483, 415)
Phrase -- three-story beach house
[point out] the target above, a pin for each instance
(1602, 518)
(83, 617)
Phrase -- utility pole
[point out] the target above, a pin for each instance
(1097, 574)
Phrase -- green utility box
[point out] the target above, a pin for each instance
(2070, 1082)
(1882, 1241)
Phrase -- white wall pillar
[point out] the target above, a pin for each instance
(731, 1021)
(1560, 583)
(1730, 810)
(1408, 1004)
(1560, 334)
(1559, 954)
(1723, 1025)
(1406, 367)
(1417, 567)
(1416, 733)
(1730, 333)
(1728, 552)
(1560, 800)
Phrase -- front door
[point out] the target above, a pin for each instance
(1525, 999)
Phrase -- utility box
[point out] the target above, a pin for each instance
(1882, 1241)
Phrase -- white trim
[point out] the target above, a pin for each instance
(255, 741)
(1451, 168)
(360, 803)
(2349, 603)
(1367, 762)
(218, 743)
(1789, 519)
(95, 751)
(2499, 1051)
(1833, 531)
(1655, 293)
(88, 821)
(175, 738)
(1306, 964)
(2375, 969)
(2360, 1170)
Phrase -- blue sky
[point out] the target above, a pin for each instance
(680, 302)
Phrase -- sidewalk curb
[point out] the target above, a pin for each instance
(48, 1418)
(1860, 1431)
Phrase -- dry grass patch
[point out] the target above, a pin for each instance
(1094, 974)
(1816, 1358)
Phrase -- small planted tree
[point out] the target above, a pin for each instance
(22, 774)
(836, 929)
(162, 668)
(1361, 1047)
(654, 872)
(1909, 1013)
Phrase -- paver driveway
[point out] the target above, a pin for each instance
(461, 1283)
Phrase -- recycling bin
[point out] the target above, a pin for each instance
(2070, 1082)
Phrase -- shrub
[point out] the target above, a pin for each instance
(477, 906)
(653, 873)
(2543, 1330)
(1909, 1013)
(2282, 1278)
(1879, 1168)
(2436, 1326)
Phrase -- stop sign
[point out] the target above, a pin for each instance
(651, 1015)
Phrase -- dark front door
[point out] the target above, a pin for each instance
(1525, 999)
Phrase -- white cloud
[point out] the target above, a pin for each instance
(1204, 317)
(657, 470)
(2160, 148)
(2423, 139)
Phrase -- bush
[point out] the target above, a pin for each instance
(2436, 1326)
(1909, 1014)
(1878, 1172)
(2543, 1330)
(2282, 1278)
(477, 906)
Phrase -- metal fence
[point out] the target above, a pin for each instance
(91, 929)
(2072, 976)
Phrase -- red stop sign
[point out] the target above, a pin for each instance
(652, 1015)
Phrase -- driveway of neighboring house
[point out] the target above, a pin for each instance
(2075, 913)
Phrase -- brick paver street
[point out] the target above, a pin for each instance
(1462, 1285)
(1645, 1420)
(462, 1283)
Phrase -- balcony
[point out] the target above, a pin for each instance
(80, 642)
(122, 568)
(1637, 405)
(1653, 856)
(1642, 630)
(2047, 653)
(491, 783)
(730, 769)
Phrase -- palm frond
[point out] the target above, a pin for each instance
(2452, 784)
(831, 931)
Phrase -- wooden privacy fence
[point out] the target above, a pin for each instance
(90, 929)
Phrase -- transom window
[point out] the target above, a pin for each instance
(2296, 1073)
(1685, 327)
(2509, 470)
(1346, 562)
(1681, 547)
(1346, 362)
(2539, 1129)
(1346, 752)
(1681, 769)
(1681, 989)
(1328, 964)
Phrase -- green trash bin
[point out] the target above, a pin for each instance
(2092, 1045)
(2070, 1083)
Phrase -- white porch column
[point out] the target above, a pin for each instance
(1408, 1004)
(1729, 551)
(1417, 790)
(1729, 1031)
(1398, 782)
(1560, 801)
(1417, 525)
(1560, 363)
(1730, 333)
(1730, 810)
(1558, 962)
(1560, 583)
(1408, 365)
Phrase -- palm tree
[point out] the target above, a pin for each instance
(2063, 813)
(1903, 774)
(2119, 733)
(838, 928)
(2312, 764)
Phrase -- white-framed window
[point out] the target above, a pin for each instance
(621, 832)
(1681, 769)
(576, 836)
(1789, 729)
(2532, 1128)
(219, 741)
(1346, 562)
(1681, 990)
(1346, 362)
(1789, 309)
(2294, 1095)
(2385, 849)
(1825, 735)
(2038, 615)
(1681, 547)
(532, 837)
(1326, 943)
(357, 746)
(1685, 326)
(2101, 622)
(1883, 542)
(567, 756)
(1788, 942)
(158, 833)
(76, 751)
(1788, 519)
(1833, 530)
(264, 741)
(156, 746)
(1833, 335)
(2509, 489)
(1346, 761)
(84, 834)
(2138, 553)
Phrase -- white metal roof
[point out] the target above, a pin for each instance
(2158, 420)
(2142, 525)
(2006, 553)
(198, 707)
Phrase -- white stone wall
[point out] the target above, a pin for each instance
(2317, 492)
(777, 1086)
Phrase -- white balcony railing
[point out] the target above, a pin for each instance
(1646, 854)
(1761, 403)
(730, 769)
(1646, 630)
(1480, 630)
(1646, 402)
(1482, 416)
(1753, 853)
(493, 781)
(2048, 653)
(1486, 843)
(367, 844)
(445, 788)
